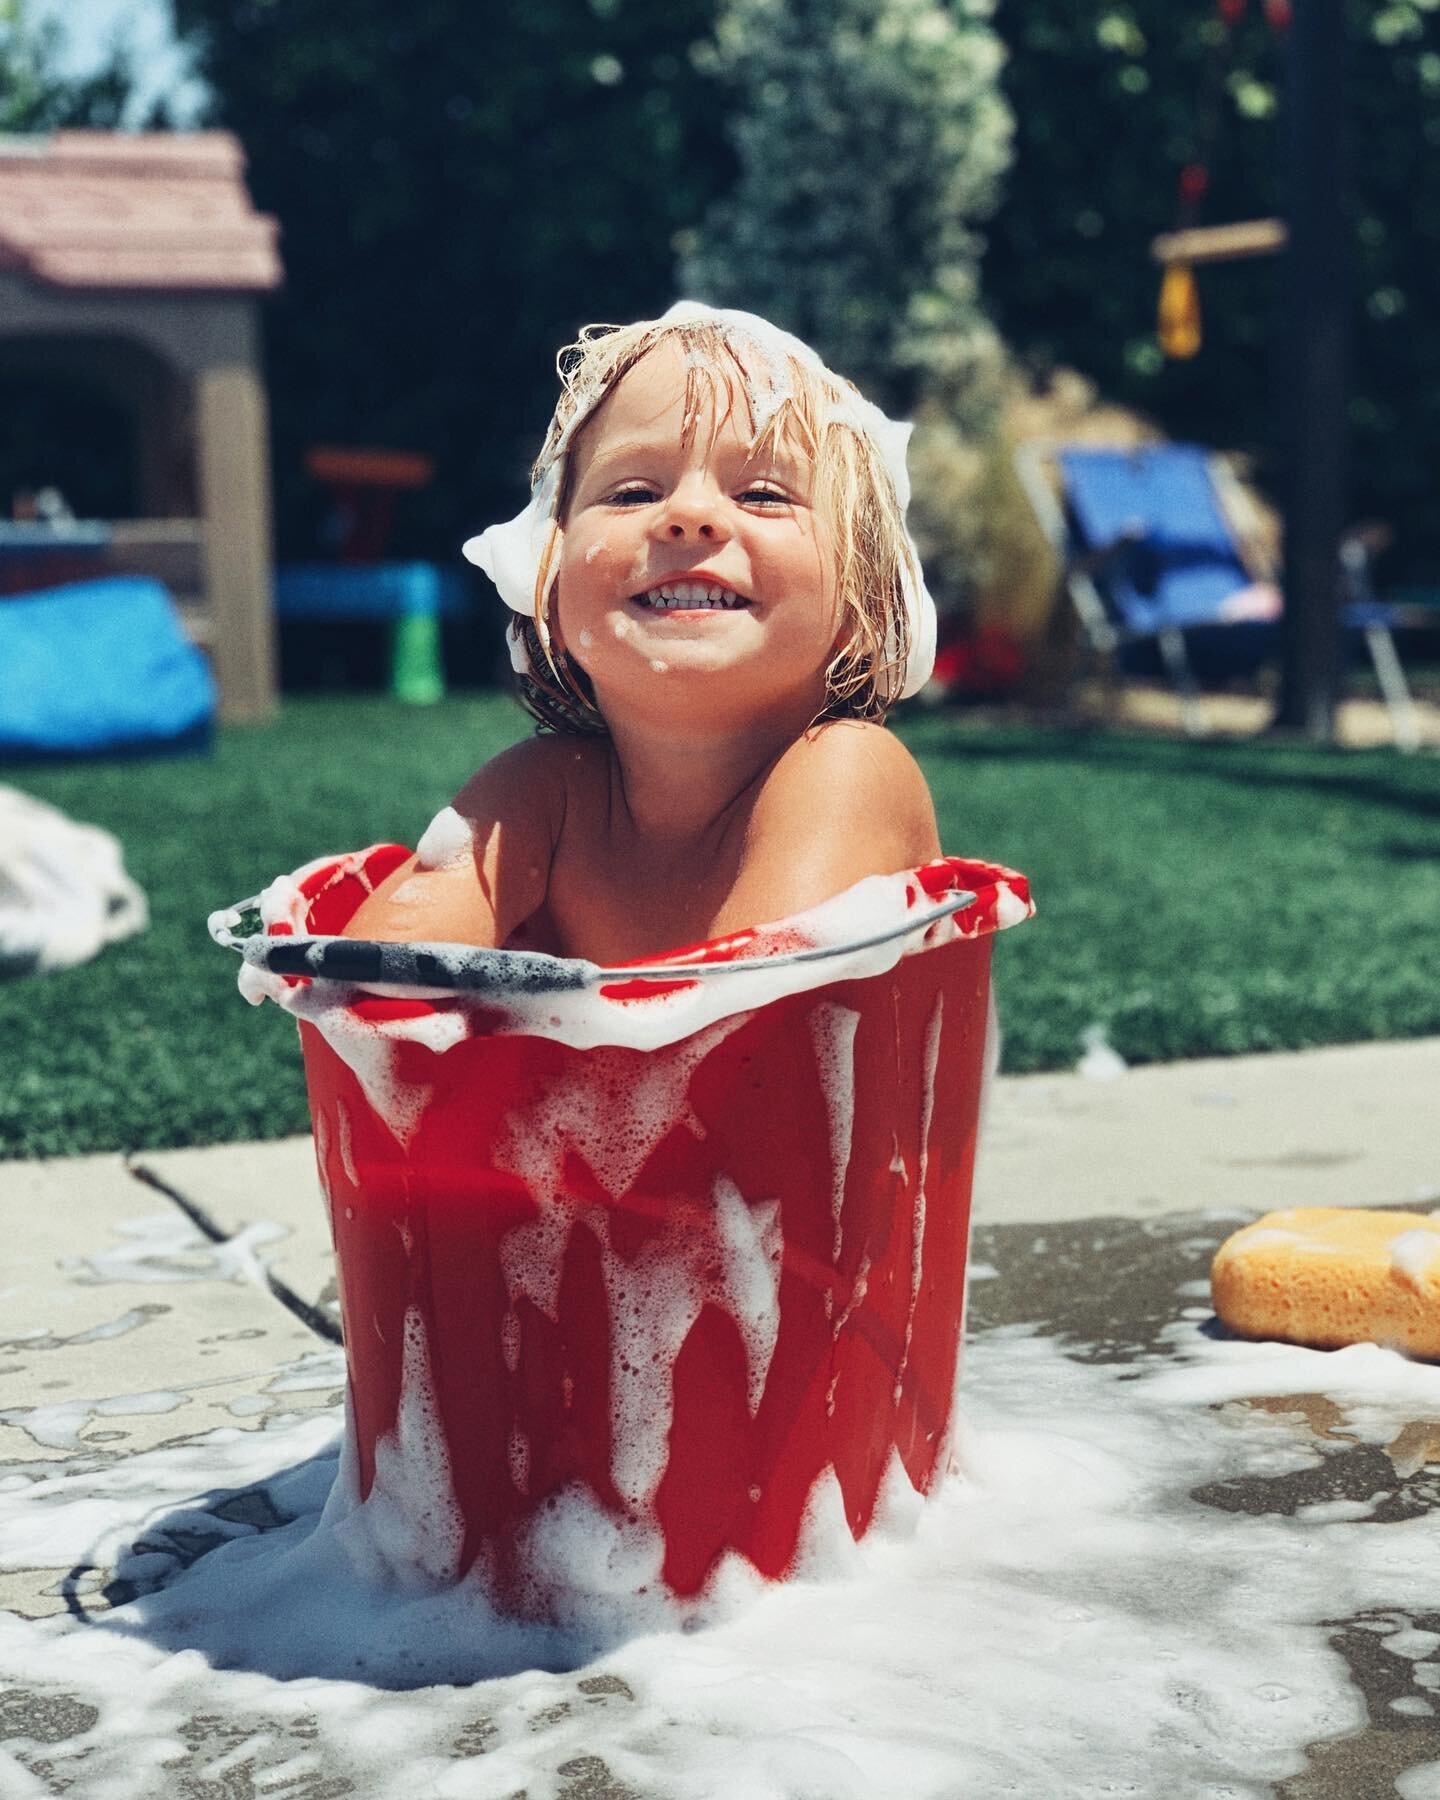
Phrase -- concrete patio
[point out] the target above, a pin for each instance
(163, 1305)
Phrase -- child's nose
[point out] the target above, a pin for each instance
(693, 512)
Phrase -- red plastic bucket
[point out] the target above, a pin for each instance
(617, 1316)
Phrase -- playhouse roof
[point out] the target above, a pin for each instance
(152, 210)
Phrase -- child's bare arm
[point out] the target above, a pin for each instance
(496, 873)
(848, 800)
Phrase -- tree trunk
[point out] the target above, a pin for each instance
(1312, 353)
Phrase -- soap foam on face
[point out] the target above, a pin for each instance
(1066, 1618)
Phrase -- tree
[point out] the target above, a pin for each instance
(1107, 98)
(35, 96)
(871, 137)
(460, 185)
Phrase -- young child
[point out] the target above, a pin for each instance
(717, 602)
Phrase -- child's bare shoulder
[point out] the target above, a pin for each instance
(531, 778)
(845, 801)
(483, 864)
(853, 767)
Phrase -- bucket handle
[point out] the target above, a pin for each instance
(360, 962)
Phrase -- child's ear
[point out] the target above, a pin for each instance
(845, 634)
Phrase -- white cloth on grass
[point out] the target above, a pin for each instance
(64, 893)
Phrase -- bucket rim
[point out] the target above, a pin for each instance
(274, 934)
(436, 969)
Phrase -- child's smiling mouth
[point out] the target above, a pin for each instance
(689, 596)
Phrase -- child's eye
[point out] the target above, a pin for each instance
(760, 495)
(628, 496)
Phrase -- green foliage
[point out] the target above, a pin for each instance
(460, 187)
(871, 138)
(1108, 99)
(1196, 899)
(35, 96)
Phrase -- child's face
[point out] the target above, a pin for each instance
(649, 510)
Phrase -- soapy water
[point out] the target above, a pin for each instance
(166, 1247)
(1101, 1061)
(1067, 1617)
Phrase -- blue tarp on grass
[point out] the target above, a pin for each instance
(96, 666)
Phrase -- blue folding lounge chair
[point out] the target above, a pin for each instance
(1149, 553)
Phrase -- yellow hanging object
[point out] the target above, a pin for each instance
(1179, 312)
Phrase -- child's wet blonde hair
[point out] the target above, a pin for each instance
(801, 404)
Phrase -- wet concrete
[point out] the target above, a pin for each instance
(1107, 1288)
(142, 1318)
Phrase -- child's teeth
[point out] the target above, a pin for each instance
(691, 593)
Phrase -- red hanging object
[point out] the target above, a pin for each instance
(1231, 11)
(1278, 15)
(1194, 183)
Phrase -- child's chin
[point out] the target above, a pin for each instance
(685, 657)
(689, 675)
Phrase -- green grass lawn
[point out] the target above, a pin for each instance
(1196, 900)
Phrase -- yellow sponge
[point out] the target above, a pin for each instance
(1331, 1275)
